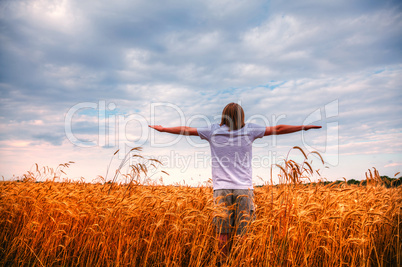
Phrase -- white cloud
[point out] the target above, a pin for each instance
(393, 164)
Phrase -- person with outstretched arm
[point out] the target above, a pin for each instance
(231, 154)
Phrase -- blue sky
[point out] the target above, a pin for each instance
(129, 63)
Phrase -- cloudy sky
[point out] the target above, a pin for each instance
(81, 79)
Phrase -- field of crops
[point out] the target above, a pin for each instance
(81, 224)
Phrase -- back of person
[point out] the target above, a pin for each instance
(231, 157)
(231, 154)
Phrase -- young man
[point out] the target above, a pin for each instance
(231, 154)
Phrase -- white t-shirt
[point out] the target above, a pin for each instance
(231, 154)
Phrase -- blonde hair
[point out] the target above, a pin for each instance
(233, 116)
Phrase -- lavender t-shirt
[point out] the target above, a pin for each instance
(231, 154)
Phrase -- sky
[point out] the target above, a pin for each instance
(80, 80)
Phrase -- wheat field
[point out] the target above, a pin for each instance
(83, 224)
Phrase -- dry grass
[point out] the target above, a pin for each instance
(122, 222)
(70, 224)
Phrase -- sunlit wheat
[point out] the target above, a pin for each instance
(130, 224)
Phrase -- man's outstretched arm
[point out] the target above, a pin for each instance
(286, 129)
(184, 130)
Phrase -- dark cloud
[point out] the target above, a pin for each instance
(275, 57)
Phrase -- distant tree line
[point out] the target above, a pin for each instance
(385, 180)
